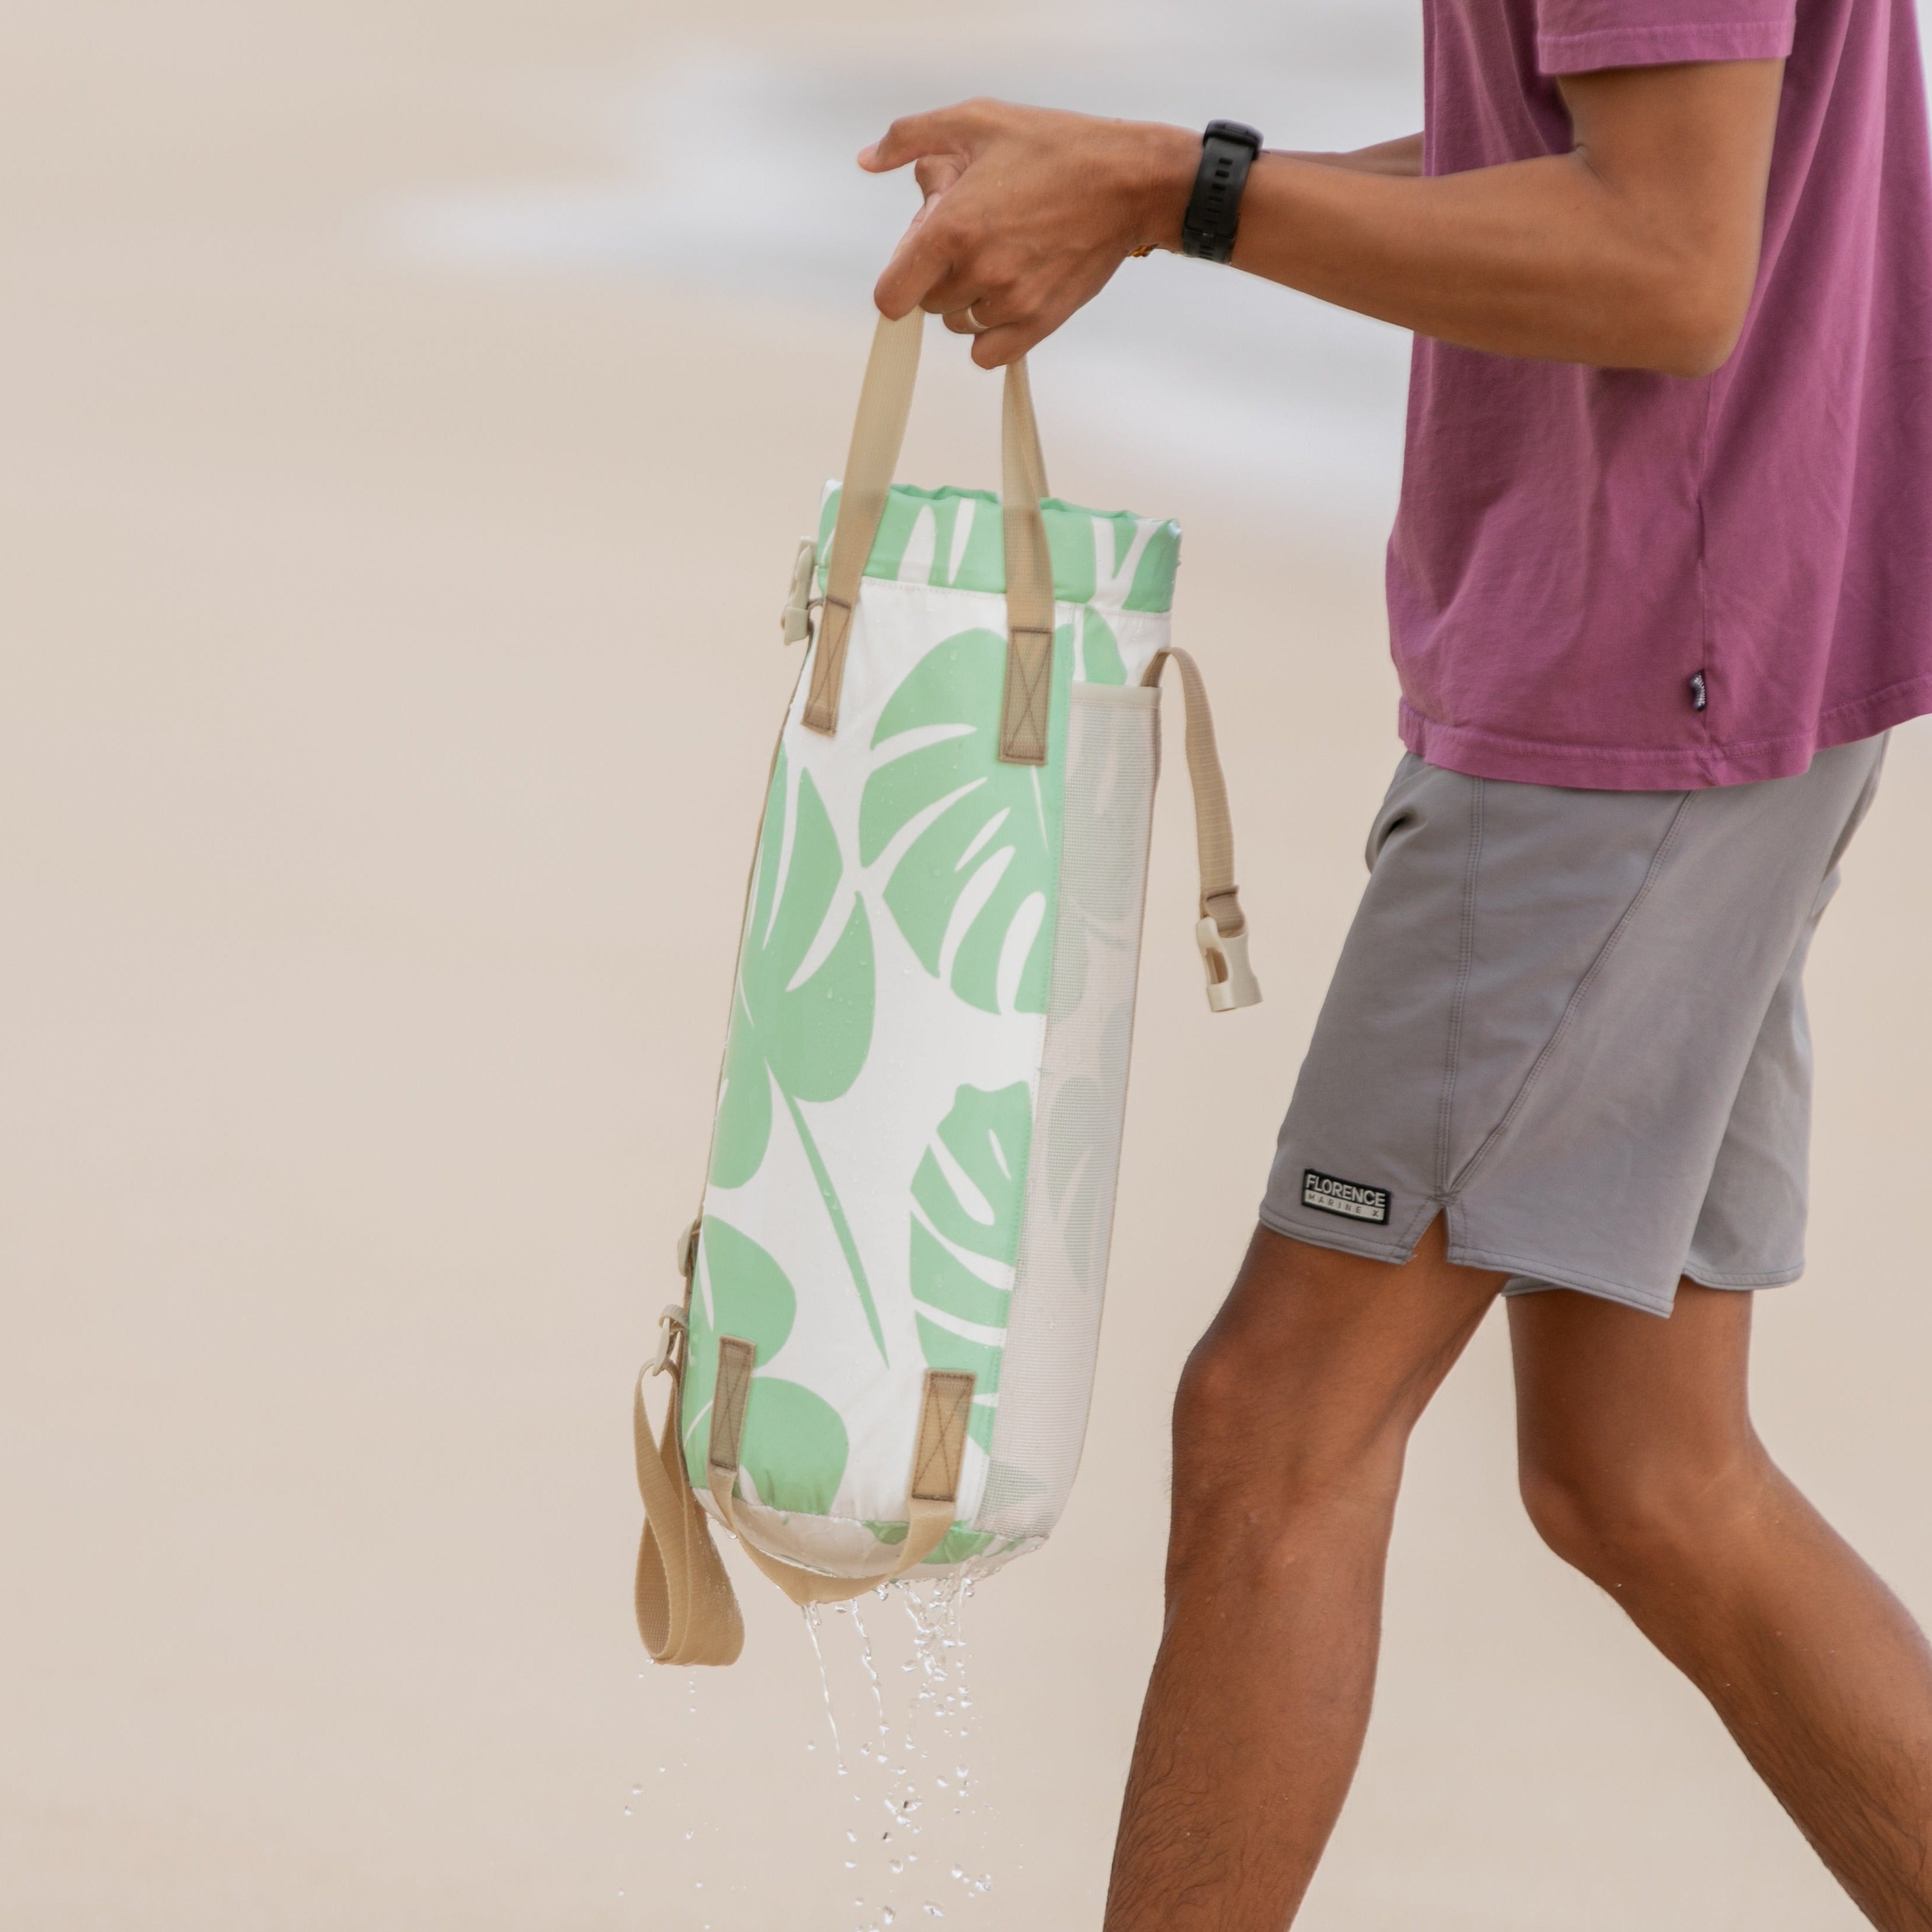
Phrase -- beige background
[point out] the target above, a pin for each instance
(386, 695)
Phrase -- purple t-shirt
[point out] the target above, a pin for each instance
(1624, 580)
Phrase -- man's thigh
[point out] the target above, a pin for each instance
(1627, 1401)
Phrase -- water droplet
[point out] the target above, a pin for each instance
(627, 1812)
(887, 1912)
(895, 1866)
(933, 1911)
(824, 1683)
(959, 1871)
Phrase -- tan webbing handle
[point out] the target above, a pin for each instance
(1029, 685)
(946, 1406)
(1222, 931)
(878, 431)
(687, 1610)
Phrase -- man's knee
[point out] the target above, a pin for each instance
(1256, 1457)
(1217, 1389)
(1633, 1522)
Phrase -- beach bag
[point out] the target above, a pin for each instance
(883, 1358)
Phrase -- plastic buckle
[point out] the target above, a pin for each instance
(795, 621)
(670, 1325)
(1230, 980)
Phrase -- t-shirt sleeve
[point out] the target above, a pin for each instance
(1578, 36)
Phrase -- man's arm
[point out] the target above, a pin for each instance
(1403, 157)
(1636, 250)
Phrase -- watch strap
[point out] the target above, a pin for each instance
(1228, 151)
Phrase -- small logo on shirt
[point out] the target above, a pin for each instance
(1700, 696)
(1344, 1197)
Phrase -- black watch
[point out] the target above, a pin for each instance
(1228, 150)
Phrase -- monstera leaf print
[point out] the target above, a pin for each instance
(1099, 661)
(804, 1033)
(794, 1446)
(967, 1194)
(966, 838)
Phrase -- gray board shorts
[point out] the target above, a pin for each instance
(1573, 1023)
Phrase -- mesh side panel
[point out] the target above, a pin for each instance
(1053, 1331)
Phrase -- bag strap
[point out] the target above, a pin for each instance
(687, 1611)
(1222, 931)
(1029, 684)
(945, 1407)
(878, 431)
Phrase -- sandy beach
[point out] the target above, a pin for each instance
(391, 668)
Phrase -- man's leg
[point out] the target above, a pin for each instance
(1640, 1466)
(1293, 1415)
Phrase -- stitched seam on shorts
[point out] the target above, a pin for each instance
(1775, 1278)
(1393, 1252)
(1460, 998)
(1576, 1000)
(1569, 1278)
(1576, 1279)
(1414, 1228)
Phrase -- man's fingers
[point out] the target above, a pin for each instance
(1019, 331)
(997, 347)
(946, 130)
(936, 173)
(916, 269)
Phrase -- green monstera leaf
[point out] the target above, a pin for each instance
(967, 1194)
(969, 840)
(1099, 650)
(804, 1035)
(794, 1447)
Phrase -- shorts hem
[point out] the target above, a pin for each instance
(1337, 1239)
(1775, 1278)
(1646, 1300)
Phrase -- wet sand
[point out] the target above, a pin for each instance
(391, 669)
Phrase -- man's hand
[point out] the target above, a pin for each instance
(1027, 213)
(1638, 249)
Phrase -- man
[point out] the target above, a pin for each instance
(1660, 580)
